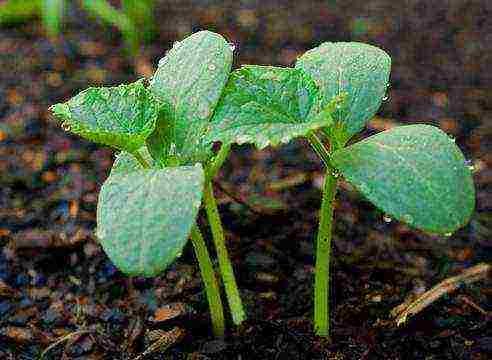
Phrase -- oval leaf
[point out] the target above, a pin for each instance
(267, 105)
(188, 83)
(122, 116)
(360, 70)
(144, 217)
(415, 173)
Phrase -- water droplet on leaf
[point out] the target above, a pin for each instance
(408, 218)
(387, 219)
(386, 96)
(66, 126)
(285, 139)
(176, 44)
(100, 234)
(469, 164)
(162, 61)
(172, 149)
(241, 139)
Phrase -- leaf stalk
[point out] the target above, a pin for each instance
(323, 253)
(320, 149)
(210, 282)
(226, 270)
(141, 160)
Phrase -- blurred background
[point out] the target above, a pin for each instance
(51, 266)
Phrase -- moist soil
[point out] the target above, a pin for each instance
(56, 283)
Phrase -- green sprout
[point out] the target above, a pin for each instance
(148, 205)
(414, 173)
(134, 20)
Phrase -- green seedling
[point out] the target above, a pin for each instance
(51, 12)
(414, 173)
(148, 206)
(134, 20)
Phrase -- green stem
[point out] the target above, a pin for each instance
(211, 287)
(231, 289)
(319, 148)
(218, 161)
(111, 15)
(141, 160)
(323, 250)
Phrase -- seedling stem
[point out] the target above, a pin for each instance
(211, 287)
(231, 289)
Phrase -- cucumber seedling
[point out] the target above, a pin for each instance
(414, 173)
(148, 205)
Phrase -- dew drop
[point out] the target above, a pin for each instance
(241, 139)
(469, 164)
(386, 96)
(285, 139)
(387, 219)
(176, 44)
(232, 46)
(162, 61)
(452, 139)
(100, 234)
(172, 149)
(66, 126)
(211, 67)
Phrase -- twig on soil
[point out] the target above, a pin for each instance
(238, 199)
(47, 239)
(63, 339)
(162, 340)
(473, 305)
(412, 307)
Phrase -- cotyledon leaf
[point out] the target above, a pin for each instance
(415, 173)
(360, 70)
(144, 217)
(267, 105)
(121, 116)
(188, 83)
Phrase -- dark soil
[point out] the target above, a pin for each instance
(56, 281)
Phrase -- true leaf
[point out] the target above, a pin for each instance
(267, 105)
(122, 116)
(414, 173)
(144, 217)
(360, 70)
(188, 83)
